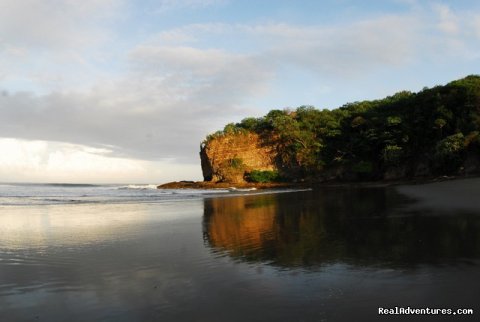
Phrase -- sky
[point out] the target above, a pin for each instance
(119, 91)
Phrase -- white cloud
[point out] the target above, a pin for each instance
(167, 5)
(410, 3)
(448, 21)
(343, 51)
(475, 25)
(428, 32)
(50, 45)
(51, 24)
(43, 161)
(210, 77)
(337, 51)
(192, 33)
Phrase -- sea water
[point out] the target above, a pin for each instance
(25, 194)
(136, 253)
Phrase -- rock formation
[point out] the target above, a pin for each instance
(229, 157)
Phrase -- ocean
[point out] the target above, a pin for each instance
(32, 194)
(136, 253)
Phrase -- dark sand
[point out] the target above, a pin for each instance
(446, 196)
(329, 254)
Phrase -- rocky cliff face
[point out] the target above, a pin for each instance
(229, 157)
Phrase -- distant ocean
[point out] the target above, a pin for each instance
(24, 194)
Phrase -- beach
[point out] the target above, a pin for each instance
(330, 254)
(446, 196)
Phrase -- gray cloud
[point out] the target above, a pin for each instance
(163, 108)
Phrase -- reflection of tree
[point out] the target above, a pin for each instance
(357, 226)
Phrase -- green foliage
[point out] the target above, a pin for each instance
(440, 123)
(369, 137)
(229, 128)
(394, 120)
(236, 163)
(448, 153)
(263, 176)
(232, 170)
(358, 121)
(250, 123)
(450, 146)
(392, 154)
(363, 167)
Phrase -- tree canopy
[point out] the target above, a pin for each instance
(437, 128)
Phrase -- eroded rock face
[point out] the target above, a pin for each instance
(230, 156)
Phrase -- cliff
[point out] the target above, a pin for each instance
(228, 157)
(434, 132)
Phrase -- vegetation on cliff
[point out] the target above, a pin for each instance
(433, 132)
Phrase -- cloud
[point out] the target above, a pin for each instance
(179, 84)
(49, 45)
(162, 109)
(167, 5)
(433, 31)
(173, 95)
(42, 161)
(51, 24)
(212, 78)
(343, 51)
(475, 25)
(452, 35)
(448, 21)
(333, 51)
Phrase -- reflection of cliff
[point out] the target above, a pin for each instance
(240, 225)
(358, 226)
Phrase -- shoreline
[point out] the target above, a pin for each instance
(225, 185)
(309, 184)
(443, 194)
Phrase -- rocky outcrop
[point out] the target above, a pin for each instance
(229, 157)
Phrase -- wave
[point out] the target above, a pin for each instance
(65, 185)
(139, 186)
(72, 185)
(65, 201)
(42, 201)
(233, 189)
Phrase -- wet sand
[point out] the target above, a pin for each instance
(445, 196)
(332, 254)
